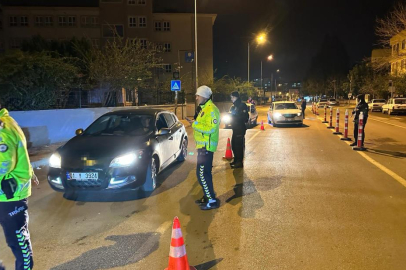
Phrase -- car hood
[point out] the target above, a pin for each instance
(101, 147)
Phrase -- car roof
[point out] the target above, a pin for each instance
(141, 111)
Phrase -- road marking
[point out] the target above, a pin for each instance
(253, 137)
(164, 227)
(387, 123)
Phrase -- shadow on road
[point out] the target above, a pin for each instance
(387, 153)
(127, 249)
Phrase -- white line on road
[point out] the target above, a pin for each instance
(164, 227)
(394, 175)
(372, 118)
(256, 134)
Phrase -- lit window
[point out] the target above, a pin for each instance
(167, 26)
(132, 22)
(23, 21)
(167, 47)
(142, 22)
(13, 21)
(158, 26)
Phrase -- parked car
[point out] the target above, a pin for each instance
(285, 113)
(376, 104)
(332, 102)
(322, 102)
(121, 150)
(395, 105)
(226, 118)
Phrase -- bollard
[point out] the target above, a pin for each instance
(313, 110)
(317, 110)
(345, 138)
(325, 114)
(331, 118)
(337, 132)
(359, 146)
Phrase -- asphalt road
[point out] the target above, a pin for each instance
(305, 200)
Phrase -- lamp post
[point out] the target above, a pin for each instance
(270, 58)
(260, 39)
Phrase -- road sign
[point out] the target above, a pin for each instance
(189, 57)
(392, 89)
(176, 85)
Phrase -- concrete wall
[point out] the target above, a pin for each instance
(53, 126)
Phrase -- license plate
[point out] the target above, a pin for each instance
(83, 176)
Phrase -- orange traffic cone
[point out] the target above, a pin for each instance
(262, 125)
(177, 253)
(229, 153)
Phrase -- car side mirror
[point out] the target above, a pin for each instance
(79, 132)
(164, 131)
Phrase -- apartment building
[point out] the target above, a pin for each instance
(398, 58)
(131, 19)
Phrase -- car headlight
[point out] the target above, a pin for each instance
(55, 161)
(226, 119)
(299, 114)
(125, 160)
(277, 114)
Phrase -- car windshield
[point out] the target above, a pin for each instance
(378, 101)
(400, 101)
(121, 125)
(285, 106)
(332, 99)
(323, 100)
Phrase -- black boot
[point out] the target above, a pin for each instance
(237, 165)
(353, 144)
(211, 204)
(202, 200)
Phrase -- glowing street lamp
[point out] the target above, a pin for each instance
(260, 39)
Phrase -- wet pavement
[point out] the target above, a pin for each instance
(304, 200)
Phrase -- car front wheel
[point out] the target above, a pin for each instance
(151, 176)
(183, 151)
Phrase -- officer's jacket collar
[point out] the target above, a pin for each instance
(3, 112)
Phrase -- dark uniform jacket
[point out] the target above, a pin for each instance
(361, 107)
(239, 113)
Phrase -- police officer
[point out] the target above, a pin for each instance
(206, 134)
(303, 105)
(239, 113)
(15, 179)
(362, 106)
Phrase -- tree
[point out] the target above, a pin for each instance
(121, 64)
(35, 81)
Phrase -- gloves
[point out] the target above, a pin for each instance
(9, 187)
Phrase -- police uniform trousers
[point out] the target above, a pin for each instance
(14, 220)
(238, 147)
(204, 174)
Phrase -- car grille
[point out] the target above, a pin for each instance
(289, 115)
(85, 184)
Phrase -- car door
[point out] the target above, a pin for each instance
(174, 131)
(165, 141)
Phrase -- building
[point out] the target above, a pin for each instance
(398, 56)
(132, 19)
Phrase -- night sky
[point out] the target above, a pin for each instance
(296, 31)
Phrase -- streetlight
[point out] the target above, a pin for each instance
(270, 58)
(260, 39)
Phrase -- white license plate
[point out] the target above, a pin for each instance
(84, 176)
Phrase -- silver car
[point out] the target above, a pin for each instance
(285, 113)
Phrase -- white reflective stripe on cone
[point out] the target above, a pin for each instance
(176, 233)
(177, 252)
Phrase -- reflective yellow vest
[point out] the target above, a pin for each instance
(206, 127)
(14, 158)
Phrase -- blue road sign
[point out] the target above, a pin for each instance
(189, 57)
(176, 85)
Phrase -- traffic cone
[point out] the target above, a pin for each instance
(262, 125)
(177, 253)
(229, 153)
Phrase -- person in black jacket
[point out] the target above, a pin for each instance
(239, 113)
(362, 106)
(303, 107)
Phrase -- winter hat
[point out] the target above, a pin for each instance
(204, 91)
(235, 94)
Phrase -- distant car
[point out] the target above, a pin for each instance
(332, 102)
(226, 118)
(395, 105)
(322, 102)
(376, 104)
(285, 113)
(121, 150)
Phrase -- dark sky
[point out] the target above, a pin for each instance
(296, 31)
